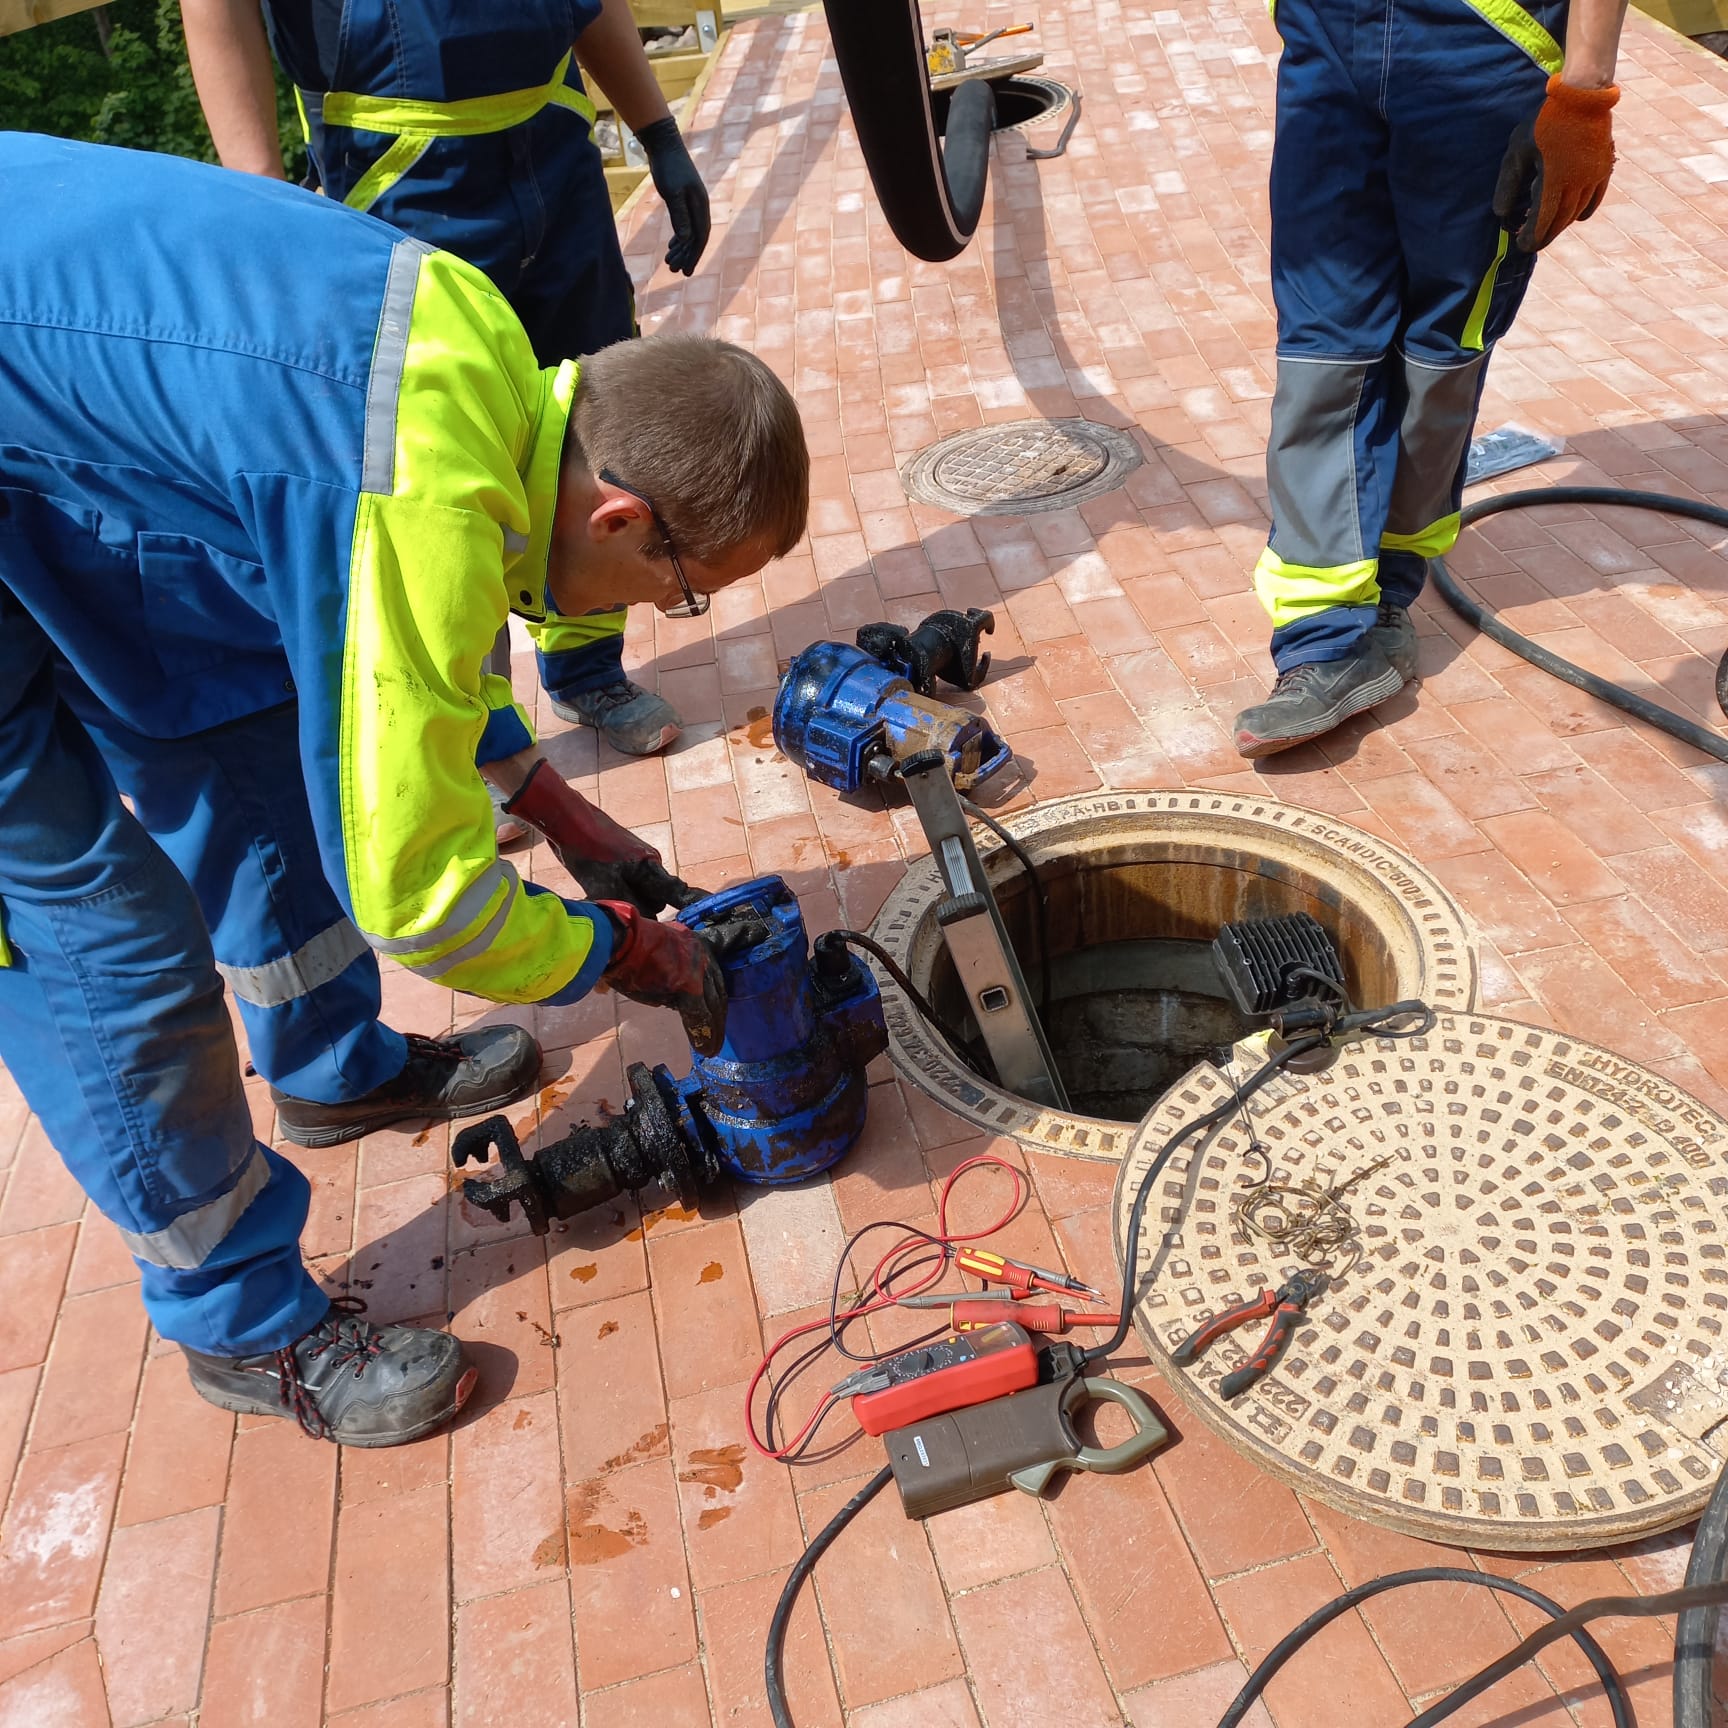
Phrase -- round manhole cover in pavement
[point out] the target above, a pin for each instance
(1529, 1350)
(1021, 466)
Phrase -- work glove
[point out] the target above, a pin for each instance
(681, 191)
(1556, 167)
(672, 966)
(607, 860)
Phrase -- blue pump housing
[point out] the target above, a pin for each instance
(785, 1095)
(844, 718)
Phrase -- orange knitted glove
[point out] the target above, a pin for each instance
(1556, 167)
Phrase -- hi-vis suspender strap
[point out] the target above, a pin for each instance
(1513, 22)
(414, 125)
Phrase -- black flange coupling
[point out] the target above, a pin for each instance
(944, 646)
(653, 1141)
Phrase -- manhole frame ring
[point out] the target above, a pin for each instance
(1586, 1532)
(920, 1056)
(1063, 102)
(1122, 455)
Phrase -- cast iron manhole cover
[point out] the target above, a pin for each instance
(1530, 1351)
(1022, 465)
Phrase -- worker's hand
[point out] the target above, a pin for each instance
(607, 860)
(681, 191)
(1556, 167)
(668, 966)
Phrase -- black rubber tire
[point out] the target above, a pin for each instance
(932, 195)
(1695, 1637)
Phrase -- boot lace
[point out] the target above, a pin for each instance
(1297, 679)
(343, 1336)
(436, 1053)
(612, 696)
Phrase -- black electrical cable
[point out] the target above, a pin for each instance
(1297, 1636)
(1378, 1021)
(1695, 1637)
(1704, 738)
(1598, 1608)
(806, 1563)
(857, 939)
(1041, 900)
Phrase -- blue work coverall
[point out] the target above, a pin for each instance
(271, 475)
(467, 126)
(1393, 279)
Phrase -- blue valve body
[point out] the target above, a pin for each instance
(837, 708)
(785, 1095)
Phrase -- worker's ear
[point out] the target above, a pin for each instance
(616, 513)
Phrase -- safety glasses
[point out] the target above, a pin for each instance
(693, 605)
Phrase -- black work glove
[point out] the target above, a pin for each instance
(644, 883)
(681, 191)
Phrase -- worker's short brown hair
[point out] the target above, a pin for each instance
(704, 431)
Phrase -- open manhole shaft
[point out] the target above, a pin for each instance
(1138, 885)
(1531, 1350)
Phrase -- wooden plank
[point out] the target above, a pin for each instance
(16, 15)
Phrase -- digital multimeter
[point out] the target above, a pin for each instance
(949, 1373)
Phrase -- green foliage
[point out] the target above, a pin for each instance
(118, 75)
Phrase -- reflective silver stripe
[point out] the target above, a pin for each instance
(188, 1242)
(1311, 461)
(470, 903)
(389, 353)
(515, 544)
(474, 945)
(327, 955)
(1433, 440)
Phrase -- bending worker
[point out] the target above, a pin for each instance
(1425, 152)
(272, 476)
(467, 126)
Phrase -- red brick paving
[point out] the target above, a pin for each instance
(590, 1547)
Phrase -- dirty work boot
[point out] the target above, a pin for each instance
(632, 720)
(443, 1078)
(346, 1380)
(1395, 636)
(1308, 700)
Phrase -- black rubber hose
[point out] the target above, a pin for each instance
(1695, 1638)
(1470, 609)
(772, 1677)
(931, 195)
(1297, 1636)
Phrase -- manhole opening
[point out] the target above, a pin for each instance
(1019, 102)
(1135, 999)
(1138, 885)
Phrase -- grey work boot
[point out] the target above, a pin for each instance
(443, 1078)
(1395, 636)
(632, 720)
(345, 1380)
(1309, 700)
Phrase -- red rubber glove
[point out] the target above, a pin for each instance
(668, 966)
(608, 860)
(1557, 166)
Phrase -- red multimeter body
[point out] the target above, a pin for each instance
(949, 1373)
